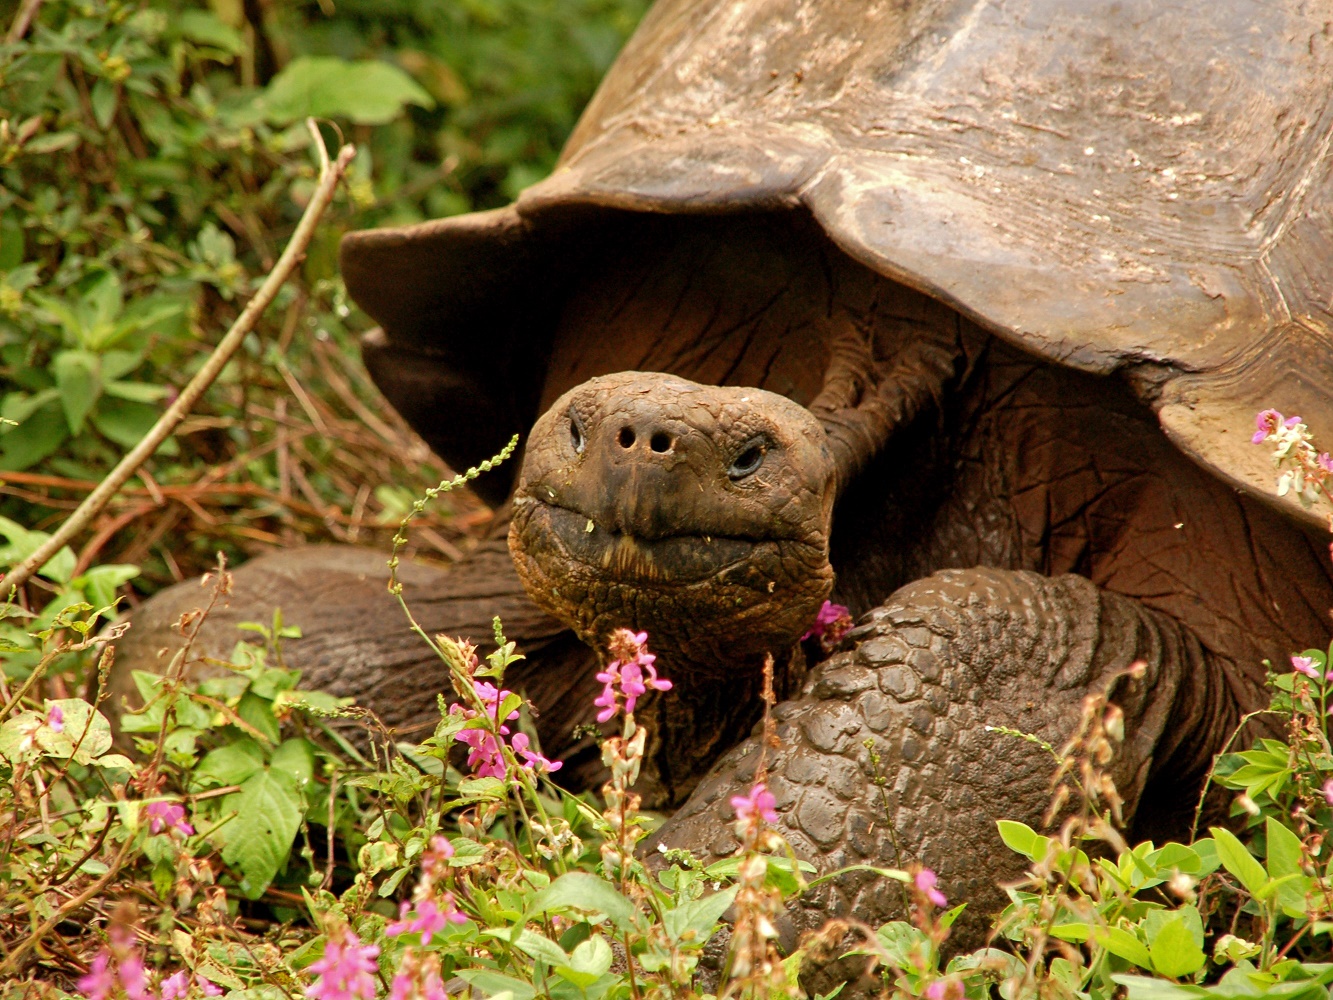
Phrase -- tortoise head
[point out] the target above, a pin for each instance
(697, 513)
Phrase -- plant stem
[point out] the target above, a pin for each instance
(330, 174)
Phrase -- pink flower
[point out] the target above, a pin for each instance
(624, 676)
(418, 978)
(485, 758)
(347, 970)
(1268, 421)
(926, 882)
(430, 919)
(101, 978)
(177, 987)
(830, 625)
(55, 718)
(531, 758)
(759, 802)
(1324, 461)
(937, 990)
(1305, 665)
(119, 963)
(167, 816)
(434, 863)
(1328, 791)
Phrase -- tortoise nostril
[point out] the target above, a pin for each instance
(627, 437)
(660, 443)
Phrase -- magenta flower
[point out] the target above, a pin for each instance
(926, 882)
(830, 625)
(167, 816)
(531, 758)
(418, 978)
(434, 862)
(430, 919)
(118, 964)
(1328, 791)
(1305, 665)
(759, 802)
(101, 978)
(625, 675)
(485, 756)
(55, 718)
(937, 990)
(177, 987)
(1268, 421)
(1324, 461)
(347, 970)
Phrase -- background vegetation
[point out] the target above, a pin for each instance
(153, 162)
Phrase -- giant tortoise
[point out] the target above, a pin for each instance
(960, 309)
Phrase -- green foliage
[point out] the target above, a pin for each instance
(152, 164)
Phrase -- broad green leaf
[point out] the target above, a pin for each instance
(232, 763)
(104, 101)
(1237, 860)
(259, 838)
(258, 712)
(494, 984)
(34, 439)
(368, 93)
(693, 923)
(530, 943)
(23, 543)
(136, 392)
(583, 891)
(297, 758)
(1123, 944)
(204, 28)
(101, 582)
(1284, 850)
(11, 242)
(1150, 988)
(591, 957)
(126, 423)
(1174, 951)
(1018, 837)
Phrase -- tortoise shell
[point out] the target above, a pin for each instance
(1127, 186)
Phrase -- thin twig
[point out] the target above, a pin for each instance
(291, 256)
(22, 21)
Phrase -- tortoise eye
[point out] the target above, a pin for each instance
(748, 460)
(576, 435)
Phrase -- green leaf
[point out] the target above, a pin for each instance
(259, 838)
(104, 101)
(1019, 837)
(1149, 988)
(492, 984)
(367, 93)
(232, 763)
(1123, 944)
(23, 543)
(11, 243)
(297, 758)
(258, 712)
(204, 28)
(136, 392)
(1238, 861)
(101, 582)
(582, 891)
(34, 439)
(530, 943)
(693, 923)
(1174, 951)
(1284, 850)
(78, 376)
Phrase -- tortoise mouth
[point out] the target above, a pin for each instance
(684, 558)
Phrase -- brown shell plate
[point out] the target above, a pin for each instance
(1132, 184)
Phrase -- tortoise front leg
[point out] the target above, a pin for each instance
(942, 660)
(356, 642)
